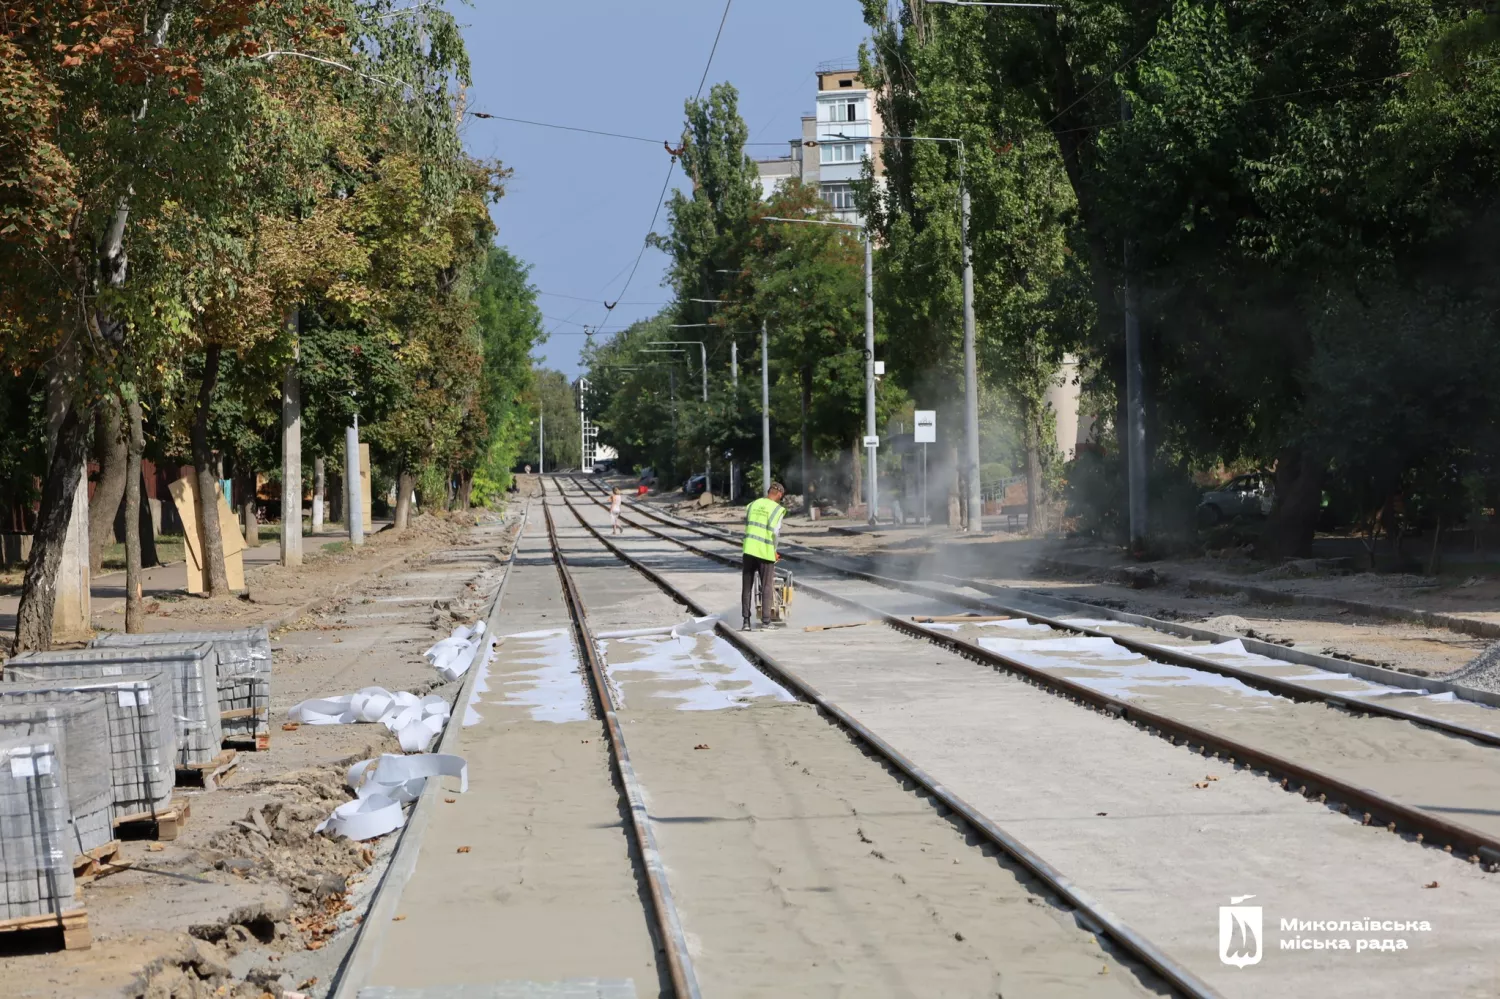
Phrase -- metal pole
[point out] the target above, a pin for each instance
(926, 509)
(971, 383)
(708, 450)
(870, 451)
(541, 441)
(1135, 430)
(353, 492)
(765, 411)
(734, 373)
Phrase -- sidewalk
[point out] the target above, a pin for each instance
(167, 584)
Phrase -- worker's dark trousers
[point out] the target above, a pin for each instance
(748, 569)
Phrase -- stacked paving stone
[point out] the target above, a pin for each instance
(244, 681)
(36, 859)
(141, 733)
(193, 669)
(77, 730)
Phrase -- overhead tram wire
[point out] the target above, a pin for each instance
(609, 307)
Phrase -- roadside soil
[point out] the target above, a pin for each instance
(248, 900)
(1012, 560)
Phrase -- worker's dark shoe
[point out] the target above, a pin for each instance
(745, 625)
(774, 624)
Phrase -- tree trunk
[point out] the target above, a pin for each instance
(247, 509)
(39, 589)
(335, 497)
(1033, 468)
(135, 613)
(465, 489)
(955, 494)
(109, 445)
(320, 491)
(856, 478)
(1294, 516)
(405, 482)
(216, 577)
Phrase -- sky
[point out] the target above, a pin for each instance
(578, 207)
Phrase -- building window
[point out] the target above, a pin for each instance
(841, 152)
(840, 197)
(843, 110)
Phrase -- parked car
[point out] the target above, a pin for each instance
(1242, 496)
(697, 485)
(605, 466)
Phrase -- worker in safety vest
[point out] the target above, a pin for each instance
(762, 529)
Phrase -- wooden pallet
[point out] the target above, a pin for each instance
(163, 825)
(207, 775)
(262, 740)
(74, 926)
(95, 863)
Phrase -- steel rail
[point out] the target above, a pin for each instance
(1374, 807)
(1095, 916)
(1186, 660)
(664, 909)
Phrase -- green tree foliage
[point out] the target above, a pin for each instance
(1307, 191)
(552, 406)
(510, 325)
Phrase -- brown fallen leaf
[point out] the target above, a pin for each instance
(397, 919)
(1209, 777)
(155, 847)
(701, 745)
(1101, 813)
(1430, 884)
(290, 726)
(449, 801)
(463, 849)
(1201, 783)
(315, 945)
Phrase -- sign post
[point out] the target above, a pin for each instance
(926, 433)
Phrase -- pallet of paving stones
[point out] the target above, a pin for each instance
(76, 727)
(71, 928)
(139, 736)
(194, 689)
(244, 677)
(36, 869)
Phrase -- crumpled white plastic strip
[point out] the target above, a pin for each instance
(692, 626)
(382, 786)
(453, 656)
(416, 721)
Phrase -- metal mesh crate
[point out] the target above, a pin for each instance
(79, 730)
(193, 668)
(142, 741)
(244, 672)
(36, 860)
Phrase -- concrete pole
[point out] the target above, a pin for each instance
(765, 411)
(1135, 412)
(734, 374)
(353, 498)
(291, 462)
(871, 450)
(541, 441)
(971, 384)
(708, 450)
(320, 486)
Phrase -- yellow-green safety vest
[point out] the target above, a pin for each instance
(761, 520)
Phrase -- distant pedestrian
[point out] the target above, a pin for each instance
(615, 502)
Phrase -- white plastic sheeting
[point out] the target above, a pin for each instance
(416, 721)
(453, 656)
(383, 787)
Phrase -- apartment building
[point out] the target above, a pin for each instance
(837, 138)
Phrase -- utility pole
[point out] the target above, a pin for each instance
(734, 374)
(354, 504)
(871, 448)
(541, 440)
(765, 411)
(291, 458)
(971, 383)
(1135, 389)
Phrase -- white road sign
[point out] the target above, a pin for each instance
(872, 442)
(926, 426)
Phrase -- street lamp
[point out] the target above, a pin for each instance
(971, 365)
(871, 437)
